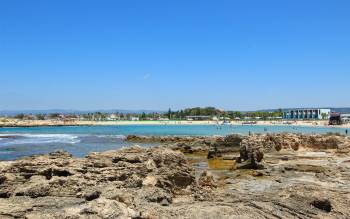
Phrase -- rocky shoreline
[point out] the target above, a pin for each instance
(232, 143)
(269, 176)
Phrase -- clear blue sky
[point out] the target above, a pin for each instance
(136, 54)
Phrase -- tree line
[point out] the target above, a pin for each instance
(170, 114)
(212, 111)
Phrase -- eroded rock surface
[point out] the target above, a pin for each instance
(232, 143)
(192, 144)
(303, 176)
(290, 141)
(128, 183)
(251, 153)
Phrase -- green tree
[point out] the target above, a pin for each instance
(143, 116)
(20, 116)
(40, 117)
(54, 115)
(169, 113)
(324, 116)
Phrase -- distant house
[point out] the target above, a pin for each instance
(163, 119)
(197, 118)
(215, 118)
(135, 118)
(307, 114)
(113, 117)
(275, 117)
(225, 119)
(82, 118)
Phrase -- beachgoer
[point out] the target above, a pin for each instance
(346, 132)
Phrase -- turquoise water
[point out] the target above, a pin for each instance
(80, 140)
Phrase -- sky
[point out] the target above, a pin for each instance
(136, 54)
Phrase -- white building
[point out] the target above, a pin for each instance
(191, 118)
(135, 119)
(113, 117)
(313, 113)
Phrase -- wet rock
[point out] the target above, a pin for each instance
(305, 168)
(92, 195)
(2, 179)
(285, 158)
(5, 194)
(322, 204)
(214, 153)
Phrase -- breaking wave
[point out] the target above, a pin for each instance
(14, 139)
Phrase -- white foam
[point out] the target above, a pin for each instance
(40, 139)
(5, 152)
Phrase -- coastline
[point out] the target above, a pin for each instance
(39, 123)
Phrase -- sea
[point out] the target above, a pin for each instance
(80, 140)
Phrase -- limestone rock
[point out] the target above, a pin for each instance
(112, 184)
(207, 180)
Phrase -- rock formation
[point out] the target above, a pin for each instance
(103, 185)
(233, 143)
(159, 182)
(251, 153)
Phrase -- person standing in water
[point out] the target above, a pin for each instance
(346, 132)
